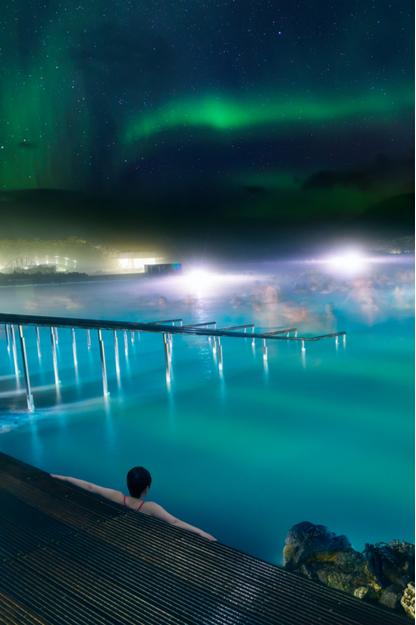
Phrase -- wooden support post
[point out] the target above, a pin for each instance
(303, 348)
(89, 339)
(344, 340)
(126, 343)
(103, 363)
(29, 396)
(132, 337)
(264, 349)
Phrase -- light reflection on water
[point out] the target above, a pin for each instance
(275, 436)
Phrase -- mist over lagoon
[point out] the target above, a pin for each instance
(318, 424)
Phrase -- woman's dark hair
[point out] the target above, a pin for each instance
(138, 479)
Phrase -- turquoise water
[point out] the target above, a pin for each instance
(327, 437)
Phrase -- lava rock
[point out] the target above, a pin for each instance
(391, 596)
(380, 574)
(408, 600)
(391, 563)
(305, 539)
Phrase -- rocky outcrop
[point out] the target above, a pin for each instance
(382, 573)
(408, 600)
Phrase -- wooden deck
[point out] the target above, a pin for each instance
(70, 558)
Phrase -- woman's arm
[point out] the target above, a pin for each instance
(108, 493)
(153, 509)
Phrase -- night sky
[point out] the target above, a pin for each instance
(205, 119)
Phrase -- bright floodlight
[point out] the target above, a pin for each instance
(348, 262)
(203, 281)
(199, 278)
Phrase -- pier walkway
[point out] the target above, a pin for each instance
(68, 557)
(15, 326)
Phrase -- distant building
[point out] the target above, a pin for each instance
(73, 255)
(43, 269)
(163, 268)
(135, 262)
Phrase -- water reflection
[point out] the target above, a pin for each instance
(75, 355)
(219, 355)
(167, 347)
(216, 419)
(265, 358)
(15, 360)
(38, 345)
(117, 359)
(303, 354)
(55, 365)
(7, 330)
(284, 296)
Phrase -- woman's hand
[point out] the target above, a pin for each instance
(208, 536)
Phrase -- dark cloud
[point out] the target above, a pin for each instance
(383, 170)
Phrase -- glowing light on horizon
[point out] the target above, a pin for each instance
(206, 281)
(128, 263)
(349, 262)
(199, 279)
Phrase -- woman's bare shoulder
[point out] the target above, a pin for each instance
(154, 509)
(149, 507)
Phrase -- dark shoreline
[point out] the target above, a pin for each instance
(65, 278)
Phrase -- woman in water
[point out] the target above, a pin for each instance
(138, 483)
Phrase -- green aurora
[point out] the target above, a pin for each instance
(225, 114)
(175, 113)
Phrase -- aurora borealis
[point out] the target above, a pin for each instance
(172, 112)
(219, 114)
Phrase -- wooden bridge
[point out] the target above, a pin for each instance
(68, 557)
(15, 325)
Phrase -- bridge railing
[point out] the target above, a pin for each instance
(14, 324)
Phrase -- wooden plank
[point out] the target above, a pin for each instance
(68, 557)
